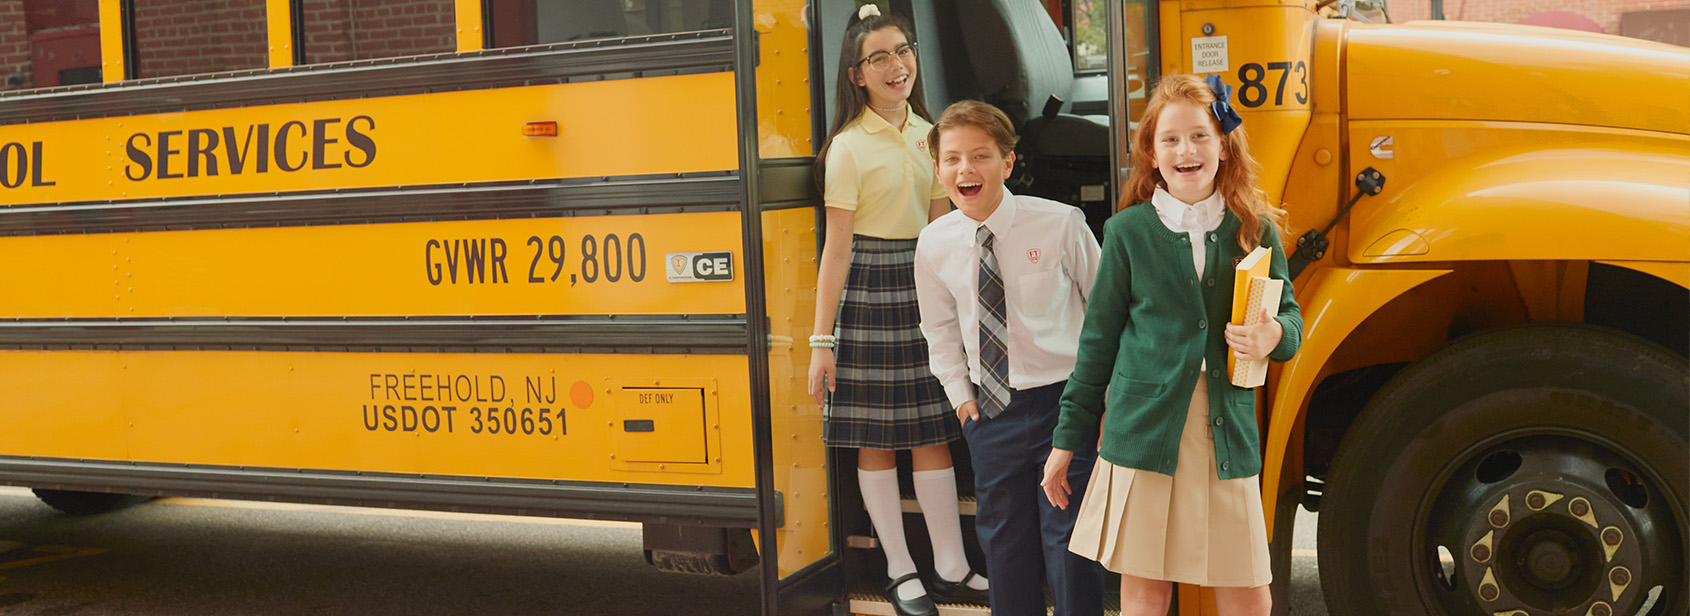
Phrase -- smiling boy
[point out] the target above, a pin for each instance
(1002, 285)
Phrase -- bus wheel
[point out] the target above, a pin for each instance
(1528, 471)
(86, 503)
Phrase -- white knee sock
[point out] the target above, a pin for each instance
(880, 497)
(936, 491)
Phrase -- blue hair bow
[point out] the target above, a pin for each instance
(1221, 107)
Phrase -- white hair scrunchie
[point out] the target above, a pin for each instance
(867, 11)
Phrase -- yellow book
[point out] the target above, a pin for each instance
(1264, 293)
(1251, 267)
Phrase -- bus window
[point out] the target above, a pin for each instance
(1091, 44)
(186, 38)
(342, 30)
(54, 43)
(533, 22)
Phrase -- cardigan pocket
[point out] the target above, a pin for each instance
(1138, 389)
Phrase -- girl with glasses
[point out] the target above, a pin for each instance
(868, 351)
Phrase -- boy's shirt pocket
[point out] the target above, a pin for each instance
(1040, 292)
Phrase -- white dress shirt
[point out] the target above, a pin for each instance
(1048, 259)
(1193, 220)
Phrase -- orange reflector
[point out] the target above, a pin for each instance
(539, 129)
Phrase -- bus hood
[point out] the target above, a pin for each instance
(1437, 70)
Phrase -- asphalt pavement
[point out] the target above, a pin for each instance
(194, 557)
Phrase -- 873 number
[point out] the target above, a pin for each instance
(1253, 83)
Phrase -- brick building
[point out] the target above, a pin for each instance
(57, 42)
(1659, 20)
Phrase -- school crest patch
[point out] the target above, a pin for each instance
(1033, 255)
(921, 144)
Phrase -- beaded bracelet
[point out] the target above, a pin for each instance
(822, 338)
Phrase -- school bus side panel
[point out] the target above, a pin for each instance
(621, 127)
(578, 265)
(540, 416)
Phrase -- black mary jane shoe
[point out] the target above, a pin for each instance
(919, 606)
(945, 591)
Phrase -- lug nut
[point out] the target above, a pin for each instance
(1619, 576)
(1601, 609)
(1535, 501)
(1612, 536)
(1579, 507)
(1488, 592)
(1498, 518)
(1481, 553)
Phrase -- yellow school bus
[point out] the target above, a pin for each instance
(550, 258)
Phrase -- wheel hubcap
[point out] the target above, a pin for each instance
(1537, 528)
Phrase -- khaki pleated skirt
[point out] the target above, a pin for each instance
(1191, 528)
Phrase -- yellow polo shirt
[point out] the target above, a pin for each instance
(883, 175)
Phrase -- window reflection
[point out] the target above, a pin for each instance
(341, 30)
(174, 38)
(46, 43)
(533, 22)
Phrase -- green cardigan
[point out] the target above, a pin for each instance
(1150, 323)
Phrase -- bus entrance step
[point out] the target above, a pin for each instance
(869, 601)
(875, 604)
(965, 505)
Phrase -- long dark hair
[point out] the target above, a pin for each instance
(850, 99)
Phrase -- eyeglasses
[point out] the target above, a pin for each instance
(882, 61)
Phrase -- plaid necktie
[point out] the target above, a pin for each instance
(994, 331)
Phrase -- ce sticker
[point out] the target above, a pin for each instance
(699, 266)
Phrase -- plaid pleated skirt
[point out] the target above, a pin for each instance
(885, 396)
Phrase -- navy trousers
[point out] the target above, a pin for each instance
(1026, 538)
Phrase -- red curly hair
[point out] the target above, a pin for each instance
(1235, 179)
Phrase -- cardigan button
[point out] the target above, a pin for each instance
(1215, 373)
(1202, 324)
(1210, 282)
(1211, 237)
(1226, 466)
(1217, 421)
(1190, 281)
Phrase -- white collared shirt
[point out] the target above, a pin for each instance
(1192, 219)
(1048, 259)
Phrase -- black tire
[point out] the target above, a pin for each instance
(86, 503)
(1515, 426)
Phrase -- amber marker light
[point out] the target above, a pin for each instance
(539, 129)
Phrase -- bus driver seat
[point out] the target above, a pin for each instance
(1021, 65)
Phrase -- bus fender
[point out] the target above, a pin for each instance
(1334, 302)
